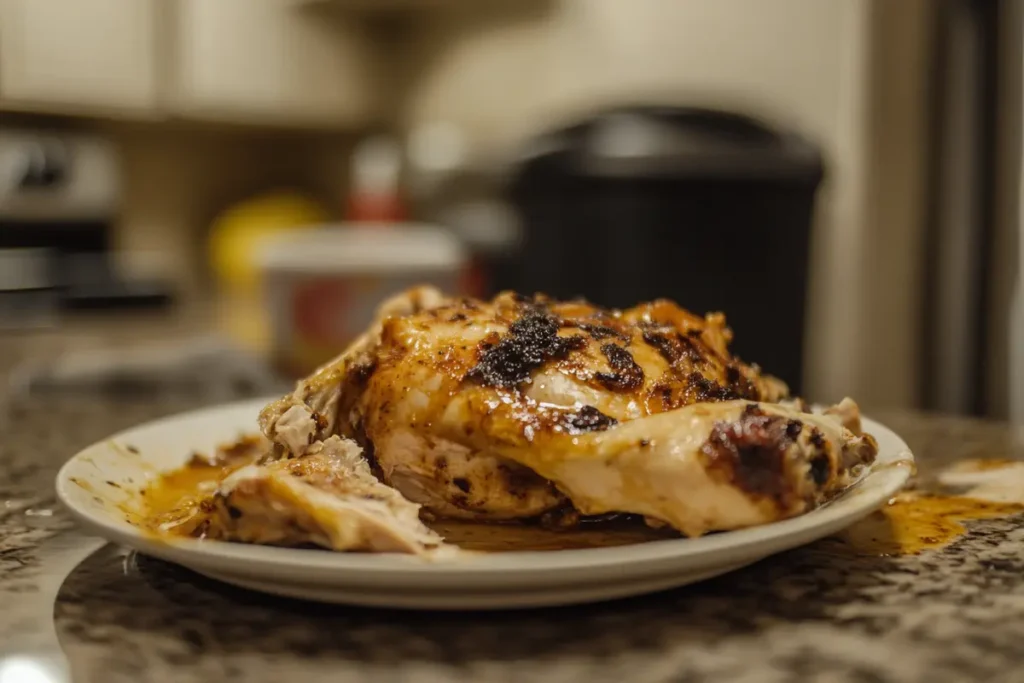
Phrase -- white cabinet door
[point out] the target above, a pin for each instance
(78, 54)
(273, 61)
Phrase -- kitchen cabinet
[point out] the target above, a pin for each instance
(270, 61)
(71, 55)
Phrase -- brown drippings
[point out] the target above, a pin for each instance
(176, 486)
(912, 523)
(520, 537)
(170, 502)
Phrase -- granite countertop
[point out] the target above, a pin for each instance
(74, 608)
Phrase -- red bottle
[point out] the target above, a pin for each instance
(376, 193)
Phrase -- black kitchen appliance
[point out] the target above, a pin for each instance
(709, 208)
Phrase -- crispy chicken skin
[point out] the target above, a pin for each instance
(521, 406)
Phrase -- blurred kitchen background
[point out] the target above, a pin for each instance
(220, 190)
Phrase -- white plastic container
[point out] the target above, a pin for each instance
(323, 286)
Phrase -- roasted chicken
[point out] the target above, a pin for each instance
(526, 408)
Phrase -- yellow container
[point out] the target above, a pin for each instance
(236, 237)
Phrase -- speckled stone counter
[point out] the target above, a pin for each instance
(73, 608)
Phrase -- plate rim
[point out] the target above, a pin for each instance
(711, 549)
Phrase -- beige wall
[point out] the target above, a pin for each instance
(499, 77)
(848, 73)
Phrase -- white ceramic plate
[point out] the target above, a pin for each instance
(98, 481)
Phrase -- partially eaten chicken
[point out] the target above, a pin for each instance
(523, 408)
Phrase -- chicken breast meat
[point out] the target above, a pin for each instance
(524, 407)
